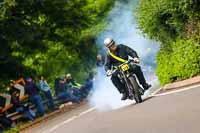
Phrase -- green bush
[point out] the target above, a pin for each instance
(164, 20)
(181, 63)
(175, 24)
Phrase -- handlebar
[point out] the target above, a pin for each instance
(127, 62)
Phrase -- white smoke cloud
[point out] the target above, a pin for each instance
(122, 28)
(105, 97)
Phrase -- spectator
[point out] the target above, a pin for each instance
(71, 82)
(33, 91)
(21, 81)
(88, 85)
(80, 91)
(46, 89)
(89, 82)
(63, 93)
(72, 86)
(100, 60)
(59, 86)
(20, 107)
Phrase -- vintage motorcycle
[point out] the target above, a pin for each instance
(127, 77)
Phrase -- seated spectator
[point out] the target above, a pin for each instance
(33, 91)
(73, 86)
(20, 107)
(63, 93)
(89, 82)
(80, 91)
(46, 89)
(71, 82)
(21, 80)
(59, 86)
(88, 85)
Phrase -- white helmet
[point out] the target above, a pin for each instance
(108, 42)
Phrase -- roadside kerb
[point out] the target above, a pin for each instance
(180, 84)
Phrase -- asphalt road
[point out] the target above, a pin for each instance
(173, 113)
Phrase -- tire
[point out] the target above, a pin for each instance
(135, 87)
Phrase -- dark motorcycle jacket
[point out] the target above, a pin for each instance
(123, 52)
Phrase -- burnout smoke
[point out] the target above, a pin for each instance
(123, 29)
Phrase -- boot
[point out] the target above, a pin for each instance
(146, 86)
(124, 96)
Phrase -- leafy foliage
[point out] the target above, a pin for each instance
(49, 37)
(176, 24)
(181, 63)
(164, 20)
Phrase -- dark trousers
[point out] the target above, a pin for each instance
(1, 129)
(121, 86)
(37, 101)
(50, 99)
(5, 122)
(67, 96)
(26, 111)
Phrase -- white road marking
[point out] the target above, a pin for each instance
(154, 93)
(87, 111)
(68, 120)
(176, 91)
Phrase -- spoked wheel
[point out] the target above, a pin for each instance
(135, 87)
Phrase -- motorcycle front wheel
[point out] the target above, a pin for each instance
(135, 88)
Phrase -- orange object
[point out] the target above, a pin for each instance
(19, 81)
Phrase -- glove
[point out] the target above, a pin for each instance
(108, 72)
(136, 60)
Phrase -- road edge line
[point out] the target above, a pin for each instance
(69, 120)
(175, 91)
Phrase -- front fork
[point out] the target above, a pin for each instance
(127, 84)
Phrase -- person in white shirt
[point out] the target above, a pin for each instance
(46, 89)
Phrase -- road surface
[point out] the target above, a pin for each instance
(172, 113)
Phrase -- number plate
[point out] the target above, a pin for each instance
(125, 67)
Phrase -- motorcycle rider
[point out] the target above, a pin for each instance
(122, 52)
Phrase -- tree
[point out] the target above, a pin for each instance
(49, 37)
